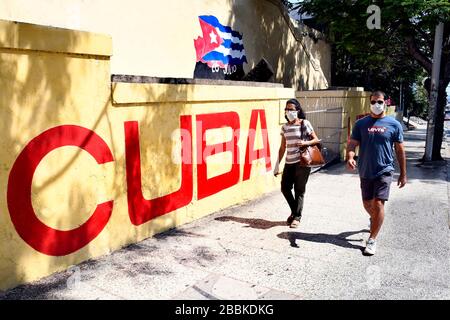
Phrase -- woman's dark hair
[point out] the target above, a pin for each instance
(298, 107)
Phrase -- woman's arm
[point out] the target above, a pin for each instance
(281, 152)
(313, 141)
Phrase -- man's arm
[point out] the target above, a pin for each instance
(351, 147)
(401, 158)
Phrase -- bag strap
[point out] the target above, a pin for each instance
(319, 144)
(302, 129)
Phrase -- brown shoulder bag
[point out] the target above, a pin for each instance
(311, 156)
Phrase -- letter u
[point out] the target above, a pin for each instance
(140, 209)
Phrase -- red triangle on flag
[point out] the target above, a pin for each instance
(210, 41)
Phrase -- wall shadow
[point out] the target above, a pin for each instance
(288, 51)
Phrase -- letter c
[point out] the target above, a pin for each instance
(34, 232)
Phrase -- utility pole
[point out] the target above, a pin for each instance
(434, 91)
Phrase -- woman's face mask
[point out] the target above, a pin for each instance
(291, 115)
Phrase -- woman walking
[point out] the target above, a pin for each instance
(295, 134)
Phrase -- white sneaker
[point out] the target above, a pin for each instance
(371, 247)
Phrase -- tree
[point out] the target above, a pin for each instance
(420, 102)
(395, 52)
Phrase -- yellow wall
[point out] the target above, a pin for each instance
(52, 77)
(156, 38)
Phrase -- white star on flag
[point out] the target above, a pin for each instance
(213, 37)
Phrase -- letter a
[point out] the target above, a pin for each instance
(251, 154)
(374, 21)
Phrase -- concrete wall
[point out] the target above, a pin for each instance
(354, 104)
(88, 166)
(156, 38)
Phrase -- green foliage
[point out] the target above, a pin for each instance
(400, 20)
(419, 105)
(379, 58)
(398, 53)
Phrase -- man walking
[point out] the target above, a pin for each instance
(376, 135)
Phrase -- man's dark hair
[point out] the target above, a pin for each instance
(298, 107)
(378, 93)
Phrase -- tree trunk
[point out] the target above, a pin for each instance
(444, 80)
(439, 124)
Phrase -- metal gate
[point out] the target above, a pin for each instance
(327, 124)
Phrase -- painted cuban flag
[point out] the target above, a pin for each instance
(220, 46)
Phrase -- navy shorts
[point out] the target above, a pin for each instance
(377, 188)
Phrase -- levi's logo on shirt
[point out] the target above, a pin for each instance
(377, 129)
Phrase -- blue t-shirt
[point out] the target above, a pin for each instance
(376, 139)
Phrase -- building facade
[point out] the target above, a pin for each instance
(158, 38)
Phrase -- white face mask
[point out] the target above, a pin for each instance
(377, 109)
(292, 115)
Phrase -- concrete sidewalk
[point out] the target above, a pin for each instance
(247, 251)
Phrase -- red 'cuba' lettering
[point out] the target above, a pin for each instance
(38, 235)
(207, 187)
(58, 243)
(250, 154)
(140, 209)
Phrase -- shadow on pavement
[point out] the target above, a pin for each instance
(176, 233)
(253, 223)
(41, 290)
(336, 239)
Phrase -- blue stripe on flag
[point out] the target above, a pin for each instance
(215, 23)
(232, 45)
(217, 56)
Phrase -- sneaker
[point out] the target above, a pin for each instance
(295, 223)
(371, 247)
(290, 219)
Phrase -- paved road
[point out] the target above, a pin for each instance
(247, 252)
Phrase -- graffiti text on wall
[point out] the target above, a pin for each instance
(53, 242)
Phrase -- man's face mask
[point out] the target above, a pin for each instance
(291, 115)
(377, 107)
